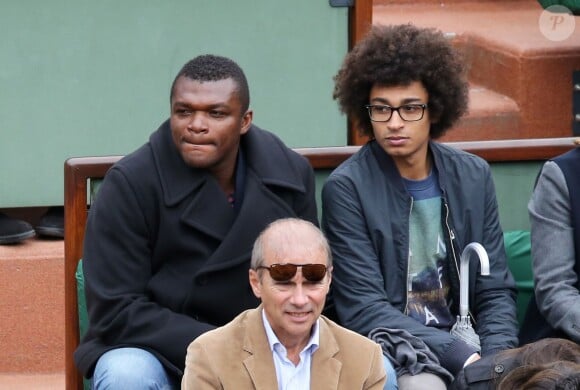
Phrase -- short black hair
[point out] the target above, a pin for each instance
(209, 67)
(397, 55)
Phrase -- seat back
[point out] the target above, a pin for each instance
(519, 254)
(77, 174)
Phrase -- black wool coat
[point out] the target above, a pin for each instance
(166, 257)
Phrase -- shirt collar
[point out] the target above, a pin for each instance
(313, 342)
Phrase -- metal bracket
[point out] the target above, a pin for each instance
(576, 103)
(341, 3)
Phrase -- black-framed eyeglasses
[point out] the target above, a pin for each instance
(407, 112)
(285, 272)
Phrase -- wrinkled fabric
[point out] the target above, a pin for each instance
(408, 354)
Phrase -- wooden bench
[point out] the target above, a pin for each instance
(78, 172)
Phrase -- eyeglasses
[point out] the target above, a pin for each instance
(285, 272)
(407, 112)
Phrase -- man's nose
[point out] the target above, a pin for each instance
(198, 123)
(299, 296)
(395, 121)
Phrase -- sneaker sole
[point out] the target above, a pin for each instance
(49, 231)
(16, 238)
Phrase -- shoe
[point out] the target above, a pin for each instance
(51, 224)
(13, 230)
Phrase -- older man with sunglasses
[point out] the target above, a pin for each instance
(285, 343)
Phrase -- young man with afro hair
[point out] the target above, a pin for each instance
(399, 212)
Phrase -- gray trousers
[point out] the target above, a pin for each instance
(424, 380)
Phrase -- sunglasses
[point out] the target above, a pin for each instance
(285, 272)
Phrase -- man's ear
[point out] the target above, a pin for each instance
(255, 283)
(329, 276)
(246, 122)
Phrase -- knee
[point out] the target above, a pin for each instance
(391, 383)
(129, 368)
(423, 380)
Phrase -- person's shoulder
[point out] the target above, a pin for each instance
(572, 155)
(258, 131)
(355, 174)
(263, 146)
(230, 331)
(358, 163)
(132, 166)
(143, 157)
(551, 179)
(136, 158)
(451, 155)
(448, 150)
(551, 168)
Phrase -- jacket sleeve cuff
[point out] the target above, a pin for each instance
(455, 356)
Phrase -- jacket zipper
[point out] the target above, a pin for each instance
(451, 239)
(409, 258)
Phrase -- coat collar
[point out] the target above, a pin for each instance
(202, 204)
(259, 361)
(325, 371)
(325, 368)
(264, 155)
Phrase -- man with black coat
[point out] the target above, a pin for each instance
(169, 236)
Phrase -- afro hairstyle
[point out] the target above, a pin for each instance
(398, 55)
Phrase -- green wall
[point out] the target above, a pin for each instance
(82, 78)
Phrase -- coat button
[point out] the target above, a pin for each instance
(499, 369)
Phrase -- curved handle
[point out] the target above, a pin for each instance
(468, 251)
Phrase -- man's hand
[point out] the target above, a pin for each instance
(471, 359)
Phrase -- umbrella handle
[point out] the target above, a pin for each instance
(468, 251)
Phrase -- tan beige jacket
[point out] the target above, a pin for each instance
(238, 356)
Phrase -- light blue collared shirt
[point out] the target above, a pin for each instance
(291, 377)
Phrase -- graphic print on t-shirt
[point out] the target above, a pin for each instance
(427, 283)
